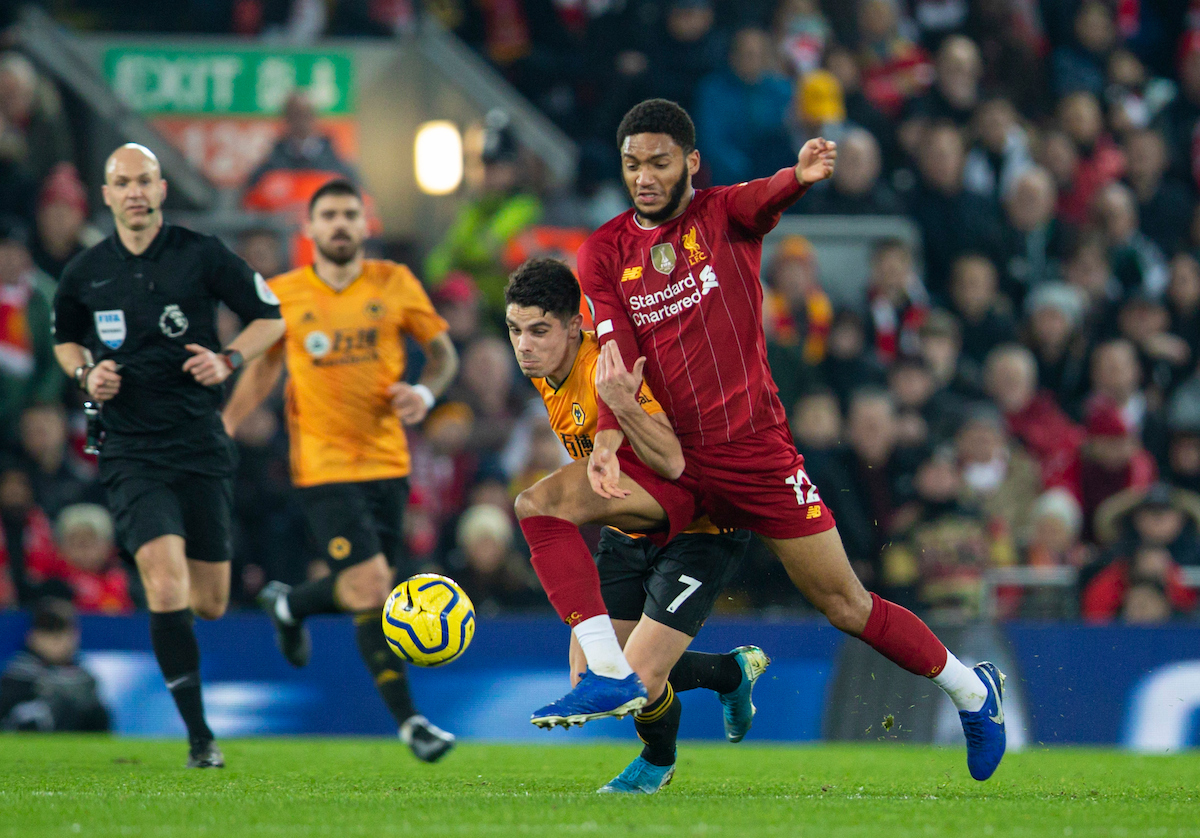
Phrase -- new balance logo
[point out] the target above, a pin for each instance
(631, 274)
(813, 512)
(708, 280)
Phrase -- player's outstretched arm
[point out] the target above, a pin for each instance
(413, 401)
(652, 437)
(256, 383)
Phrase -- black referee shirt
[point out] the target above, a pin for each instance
(141, 311)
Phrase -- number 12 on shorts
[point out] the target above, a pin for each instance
(692, 585)
(806, 492)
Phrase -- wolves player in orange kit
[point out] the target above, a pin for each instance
(657, 597)
(675, 280)
(347, 318)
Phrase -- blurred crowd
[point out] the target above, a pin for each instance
(1017, 388)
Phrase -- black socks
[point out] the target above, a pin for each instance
(386, 669)
(312, 598)
(701, 670)
(178, 655)
(658, 727)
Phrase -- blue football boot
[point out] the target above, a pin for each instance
(594, 697)
(639, 777)
(737, 706)
(984, 728)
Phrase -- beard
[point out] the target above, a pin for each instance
(674, 199)
(340, 252)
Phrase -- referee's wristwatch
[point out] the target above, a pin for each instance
(233, 359)
(81, 375)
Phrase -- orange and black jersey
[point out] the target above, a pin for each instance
(572, 405)
(343, 350)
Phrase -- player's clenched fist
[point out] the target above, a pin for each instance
(408, 403)
(816, 162)
(103, 380)
(205, 365)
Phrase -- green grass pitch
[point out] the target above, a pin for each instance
(68, 785)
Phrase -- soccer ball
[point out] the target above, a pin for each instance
(428, 620)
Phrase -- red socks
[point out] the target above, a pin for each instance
(903, 638)
(565, 568)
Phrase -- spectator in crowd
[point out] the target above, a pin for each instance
(1112, 459)
(26, 542)
(985, 315)
(443, 466)
(1001, 151)
(457, 300)
(1152, 532)
(817, 424)
(1164, 204)
(62, 229)
(1166, 358)
(1117, 379)
(493, 575)
(855, 188)
(936, 563)
(1178, 119)
(797, 306)
(484, 226)
(941, 348)
(1081, 65)
(928, 415)
(1057, 525)
(1183, 300)
(1183, 442)
(488, 387)
(263, 251)
(1032, 416)
(44, 688)
(849, 364)
(1135, 260)
(802, 33)
(1089, 162)
(955, 92)
(33, 129)
(1035, 240)
(28, 372)
(1087, 269)
(740, 113)
(1054, 317)
(897, 301)
(59, 477)
(302, 160)
(877, 477)
(895, 69)
(87, 561)
(820, 110)
(859, 109)
(952, 220)
(998, 477)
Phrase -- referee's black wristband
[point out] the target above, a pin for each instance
(81, 375)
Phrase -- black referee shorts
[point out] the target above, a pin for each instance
(148, 501)
(349, 523)
(676, 585)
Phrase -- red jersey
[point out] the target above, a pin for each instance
(686, 294)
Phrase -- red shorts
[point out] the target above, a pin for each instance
(757, 483)
(677, 501)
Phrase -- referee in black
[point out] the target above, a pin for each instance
(136, 326)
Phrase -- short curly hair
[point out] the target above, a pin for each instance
(659, 116)
(547, 284)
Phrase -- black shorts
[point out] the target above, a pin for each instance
(676, 585)
(148, 501)
(349, 523)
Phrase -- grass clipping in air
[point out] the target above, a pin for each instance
(70, 785)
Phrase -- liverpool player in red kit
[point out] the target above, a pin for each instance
(675, 281)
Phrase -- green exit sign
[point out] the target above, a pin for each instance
(245, 81)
